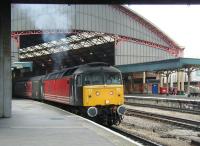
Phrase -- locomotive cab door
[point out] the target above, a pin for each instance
(78, 90)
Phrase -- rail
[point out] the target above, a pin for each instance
(173, 104)
(134, 137)
(191, 124)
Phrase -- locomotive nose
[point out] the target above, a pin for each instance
(92, 111)
(121, 110)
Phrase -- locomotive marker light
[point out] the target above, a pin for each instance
(92, 111)
(97, 93)
(121, 110)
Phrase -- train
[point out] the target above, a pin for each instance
(94, 89)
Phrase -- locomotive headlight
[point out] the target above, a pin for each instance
(92, 111)
(121, 110)
(97, 93)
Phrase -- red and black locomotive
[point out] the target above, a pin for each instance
(95, 89)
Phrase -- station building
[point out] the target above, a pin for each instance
(58, 36)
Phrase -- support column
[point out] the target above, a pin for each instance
(189, 80)
(182, 82)
(171, 80)
(178, 82)
(144, 82)
(167, 83)
(5, 60)
(161, 80)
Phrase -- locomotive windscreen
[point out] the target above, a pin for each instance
(98, 78)
(112, 78)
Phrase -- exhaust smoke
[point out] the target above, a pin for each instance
(47, 18)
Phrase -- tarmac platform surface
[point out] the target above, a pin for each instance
(37, 124)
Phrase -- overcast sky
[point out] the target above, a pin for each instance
(179, 22)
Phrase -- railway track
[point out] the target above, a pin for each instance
(174, 120)
(134, 137)
(197, 112)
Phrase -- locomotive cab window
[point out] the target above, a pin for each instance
(79, 80)
(112, 78)
(93, 78)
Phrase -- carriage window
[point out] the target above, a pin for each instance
(79, 80)
(112, 78)
(93, 79)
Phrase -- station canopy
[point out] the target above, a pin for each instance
(162, 65)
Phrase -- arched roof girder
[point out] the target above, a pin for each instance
(105, 26)
(174, 52)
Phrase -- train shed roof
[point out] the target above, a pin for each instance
(163, 65)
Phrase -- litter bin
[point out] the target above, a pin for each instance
(155, 88)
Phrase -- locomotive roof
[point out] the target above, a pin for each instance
(96, 67)
(82, 68)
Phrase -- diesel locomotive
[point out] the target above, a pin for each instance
(95, 89)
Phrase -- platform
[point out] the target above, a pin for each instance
(37, 124)
(194, 117)
(161, 97)
(175, 102)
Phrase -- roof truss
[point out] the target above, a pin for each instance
(74, 41)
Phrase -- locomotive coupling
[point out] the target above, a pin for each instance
(121, 110)
(92, 111)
